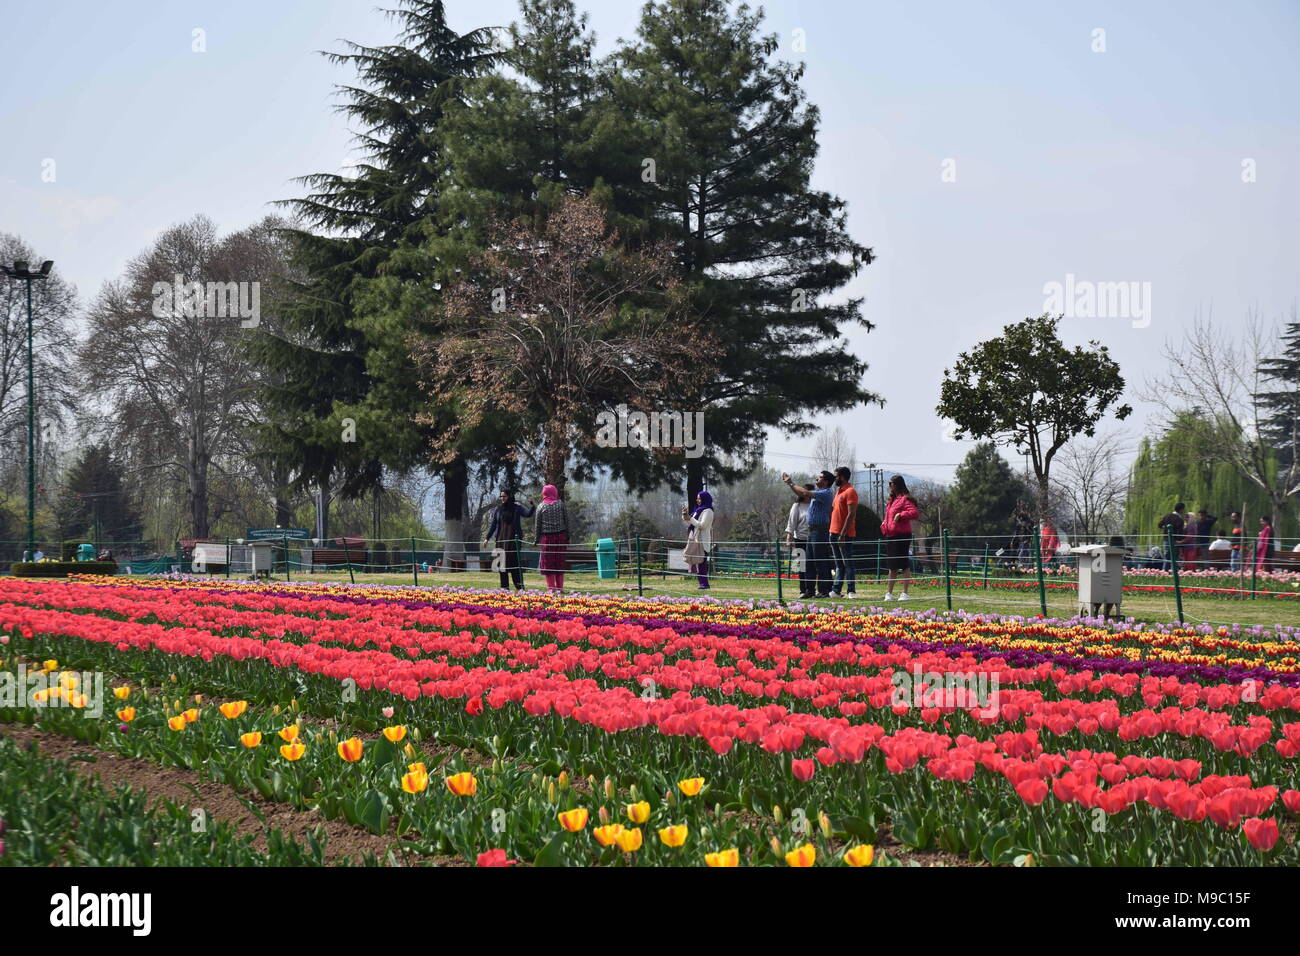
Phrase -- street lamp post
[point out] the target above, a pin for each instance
(20, 271)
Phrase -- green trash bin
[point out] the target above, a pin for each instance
(85, 552)
(606, 558)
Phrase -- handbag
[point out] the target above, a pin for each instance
(694, 552)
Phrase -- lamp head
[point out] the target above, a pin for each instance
(46, 266)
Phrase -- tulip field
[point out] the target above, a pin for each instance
(460, 726)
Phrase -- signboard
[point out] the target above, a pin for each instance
(277, 534)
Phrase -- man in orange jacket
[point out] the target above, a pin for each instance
(844, 514)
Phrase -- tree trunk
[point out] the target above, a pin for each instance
(323, 512)
(455, 478)
(198, 488)
(694, 480)
(556, 455)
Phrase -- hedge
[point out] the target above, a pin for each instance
(60, 569)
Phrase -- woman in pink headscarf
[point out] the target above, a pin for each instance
(552, 537)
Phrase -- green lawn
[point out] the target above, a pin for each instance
(1060, 603)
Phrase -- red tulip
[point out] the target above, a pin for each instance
(803, 769)
(1262, 834)
(495, 858)
(1033, 792)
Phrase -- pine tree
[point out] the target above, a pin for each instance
(708, 141)
(1279, 407)
(349, 385)
(983, 498)
(94, 501)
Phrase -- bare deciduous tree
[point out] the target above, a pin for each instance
(833, 448)
(1091, 485)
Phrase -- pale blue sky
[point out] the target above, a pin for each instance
(1111, 166)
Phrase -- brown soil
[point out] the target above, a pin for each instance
(221, 802)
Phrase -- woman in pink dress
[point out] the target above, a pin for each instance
(1264, 544)
(553, 538)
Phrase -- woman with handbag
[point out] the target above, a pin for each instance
(897, 529)
(552, 538)
(699, 540)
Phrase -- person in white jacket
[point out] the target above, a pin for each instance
(700, 540)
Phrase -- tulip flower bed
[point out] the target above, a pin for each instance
(579, 730)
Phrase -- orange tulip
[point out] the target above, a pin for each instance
(251, 739)
(860, 855)
(350, 749)
(415, 782)
(79, 700)
(292, 751)
(675, 835)
(417, 767)
(394, 734)
(191, 715)
(126, 714)
(805, 855)
(232, 709)
(463, 784)
(289, 734)
(692, 786)
(573, 820)
(121, 693)
(608, 834)
(638, 812)
(177, 723)
(723, 858)
(629, 841)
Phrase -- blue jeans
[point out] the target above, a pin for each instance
(819, 561)
(842, 554)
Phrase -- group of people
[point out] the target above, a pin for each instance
(551, 535)
(823, 523)
(1194, 537)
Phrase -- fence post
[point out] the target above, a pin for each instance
(227, 559)
(347, 553)
(640, 587)
(1254, 567)
(780, 573)
(986, 565)
(285, 538)
(415, 572)
(1173, 566)
(947, 570)
(1042, 586)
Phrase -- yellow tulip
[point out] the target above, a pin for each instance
(191, 715)
(40, 696)
(629, 841)
(723, 858)
(562, 781)
(418, 767)
(675, 835)
(463, 784)
(251, 739)
(415, 782)
(691, 786)
(232, 709)
(292, 751)
(408, 750)
(126, 714)
(638, 812)
(289, 734)
(573, 820)
(121, 693)
(805, 855)
(860, 855)
(177, 723)
(394, 734)
(68, 681)
(80, 700)
(198, 698)
(350, 749)
(607, 835)
(50, 666)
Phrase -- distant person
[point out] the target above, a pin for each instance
(1220, 552)
(1049, 542)
(900, 512)
(699, 538)
(821, 499)
(1174, 524)
(1022, 528)
(1238, 532)
(1156, 558)
(552, 538)
(508, 530)
(843, 529)
(1201, 536)
(796, 536)
(1264, 544)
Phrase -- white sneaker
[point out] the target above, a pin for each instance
(851, 596)
(903, 596)
(889, 596)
